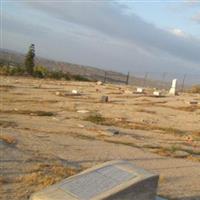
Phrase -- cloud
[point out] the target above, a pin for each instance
(196, 18)
(102, 34)
(178, 32)
(109, 19)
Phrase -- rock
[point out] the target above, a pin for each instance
(83, 111)
(181, 154)
(193, 102)
(58, 93)
(114, 131)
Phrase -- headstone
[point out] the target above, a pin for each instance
(99, 83)
(172, 90)
(114, 180)
(74, 92)
(140, 90)
(157, 93)
(104, 99)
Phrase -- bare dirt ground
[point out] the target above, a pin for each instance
(47, 134)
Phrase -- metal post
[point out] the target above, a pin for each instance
(145, 78)
(183, 83)
(163, 79)
(127, 78)
(105, 77)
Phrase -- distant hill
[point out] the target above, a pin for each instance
(9, 57)
(14, 58)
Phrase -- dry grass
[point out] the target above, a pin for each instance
(6, 124)
(46, 174)
(122, 123)
(195, 89)
(146, 111)
(8, 139)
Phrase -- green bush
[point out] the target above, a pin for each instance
(80, 78)
(8, 70)
(40, 72)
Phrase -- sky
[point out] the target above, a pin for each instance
(136, 36)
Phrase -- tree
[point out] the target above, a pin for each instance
(29, 60)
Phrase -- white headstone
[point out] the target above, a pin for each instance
(140, 90)
(74, 92)
(157, 93)
(172, 90)
(99, 83)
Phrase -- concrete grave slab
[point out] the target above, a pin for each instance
(114, 180)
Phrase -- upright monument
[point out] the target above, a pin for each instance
(172, 90)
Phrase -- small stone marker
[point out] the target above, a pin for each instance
(99, 83)
(193, 102)
(114, 180)
(74, 92)
(140, 90)
(104, 99)
(157, 93)
(172, 90)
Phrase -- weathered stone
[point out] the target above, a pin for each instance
(157, 93)
(181, 154)
(115, 180)
(140, 90)
(104, 99)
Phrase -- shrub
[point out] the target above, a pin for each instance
(195, 89)
(12, 70)
(95, 118)
(40, 71)
(80, 78)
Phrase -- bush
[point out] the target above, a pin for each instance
(195, 89)
(12, 70)
(80, 78)
(40, 72)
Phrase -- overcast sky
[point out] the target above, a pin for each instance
(119, 35)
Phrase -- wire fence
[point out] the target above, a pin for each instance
(160, 80)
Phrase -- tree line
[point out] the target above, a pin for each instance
(30, 69)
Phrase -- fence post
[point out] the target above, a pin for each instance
(183, 83)
(105, 77)
(163, 79)
(127, 78)
(145, 78)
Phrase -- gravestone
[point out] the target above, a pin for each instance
(157, 93)
(172, 90)
(140, 90)
(104, 99)
(114, 180)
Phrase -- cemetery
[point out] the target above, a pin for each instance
(93, 140)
